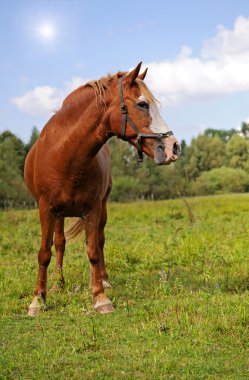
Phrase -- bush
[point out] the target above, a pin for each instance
(221, 180)
(125, 188)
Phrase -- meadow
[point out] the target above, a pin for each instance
(180, 277)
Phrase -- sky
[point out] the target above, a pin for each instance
(197, 53)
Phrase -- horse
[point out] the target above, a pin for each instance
(68, 173)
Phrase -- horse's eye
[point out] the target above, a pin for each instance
(143, 105)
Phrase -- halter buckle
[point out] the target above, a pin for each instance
(123, 108)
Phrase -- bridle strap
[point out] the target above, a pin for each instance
(123, 108)
(126, 118)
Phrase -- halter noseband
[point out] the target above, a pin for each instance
(126, 118)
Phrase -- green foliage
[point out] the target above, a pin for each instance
(13, 151)
(222, 180)
(125, 188)
(237, 152)
(34, 136)
(223, 134)
(245, 129)
(17, 147)
(204, 153)
(180, 291)
(214, 149)
(12, 187)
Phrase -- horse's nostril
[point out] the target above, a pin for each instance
(176, 149)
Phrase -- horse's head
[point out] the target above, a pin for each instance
(135, 118)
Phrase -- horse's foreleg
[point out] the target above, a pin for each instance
(100, 301)
(103, 220)
(59, 243)
(44, 257)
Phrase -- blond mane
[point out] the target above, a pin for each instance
(101, 85)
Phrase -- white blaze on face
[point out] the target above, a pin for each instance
(157, 125)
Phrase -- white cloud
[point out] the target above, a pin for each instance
(40, 101)
(228, 43)
(221, 68)
(43, 100)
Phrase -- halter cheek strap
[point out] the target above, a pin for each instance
(126, 119)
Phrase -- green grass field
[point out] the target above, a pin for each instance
(180, 290)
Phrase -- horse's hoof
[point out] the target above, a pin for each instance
(106, 284)
(105, 309)
(33, 311)
(103, 305)
(37, 305)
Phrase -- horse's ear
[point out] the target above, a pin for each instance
(143, 75)
(134, 74)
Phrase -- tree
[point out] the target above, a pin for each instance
(223, 134)
(34, 136)
(18, 148)
(123, 158)
(245, 129)
(237, 153)
(183, 147)
(204, 153)
(12, 187)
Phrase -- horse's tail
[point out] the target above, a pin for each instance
(75, 228)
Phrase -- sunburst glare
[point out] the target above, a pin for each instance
(46, 31)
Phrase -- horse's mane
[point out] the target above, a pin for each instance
(101, 85)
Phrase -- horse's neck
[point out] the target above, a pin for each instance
(86, 134)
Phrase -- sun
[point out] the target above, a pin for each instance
(44, 29)
(47, 31)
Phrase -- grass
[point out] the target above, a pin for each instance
(180, 291)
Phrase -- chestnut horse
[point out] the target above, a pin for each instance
(68, 169)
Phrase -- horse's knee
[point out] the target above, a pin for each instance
(93, 253)
(94, 260)
(44, 257)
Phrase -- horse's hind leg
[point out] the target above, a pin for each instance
(59, 243)
(101, 303)
(103, 220)
(44, 257)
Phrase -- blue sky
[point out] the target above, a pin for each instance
(197, 53)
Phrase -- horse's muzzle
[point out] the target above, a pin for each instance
(166, 151)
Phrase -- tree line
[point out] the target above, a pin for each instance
(13, 151)
(216, 161)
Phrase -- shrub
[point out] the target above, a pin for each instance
(221, 180)
(125, 188)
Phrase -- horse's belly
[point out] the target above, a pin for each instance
(77, 206)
